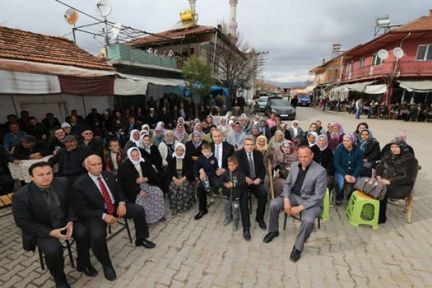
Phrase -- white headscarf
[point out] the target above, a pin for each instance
(131, 138)
(129, 152)
(174, 155)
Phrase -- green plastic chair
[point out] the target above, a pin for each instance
(325, 216)
(363, 209)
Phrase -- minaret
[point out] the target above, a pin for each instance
(233, 17)
(192, 6)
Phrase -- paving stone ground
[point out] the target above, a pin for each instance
(204, 253)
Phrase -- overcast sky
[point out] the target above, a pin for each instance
(298, 34)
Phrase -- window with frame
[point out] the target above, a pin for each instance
(361, 63)
(376, 60)
(424, 52)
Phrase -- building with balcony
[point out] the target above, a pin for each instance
(365, 72)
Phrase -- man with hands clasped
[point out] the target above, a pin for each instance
(303, 192)
(42, 209)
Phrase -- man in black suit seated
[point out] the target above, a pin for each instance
(252, 164)
(42, 209)
(99, 200)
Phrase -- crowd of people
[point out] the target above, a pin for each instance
(130, 163)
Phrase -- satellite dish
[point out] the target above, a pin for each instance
(103, 7)
(115, 30)
(383, 54)
(71, 16)
(398, 52)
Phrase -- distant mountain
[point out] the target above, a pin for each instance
(288, 84)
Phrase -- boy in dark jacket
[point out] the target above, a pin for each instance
(204, 171)
(234, 186)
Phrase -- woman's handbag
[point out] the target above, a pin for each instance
(371, 186)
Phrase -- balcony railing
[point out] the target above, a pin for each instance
(120, 52)
(404, 68)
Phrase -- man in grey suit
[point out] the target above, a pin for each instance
(302, 193)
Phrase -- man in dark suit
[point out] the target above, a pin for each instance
(303, 192)
(42, 209)
(252, 164)
(221, 150)
(98, 200)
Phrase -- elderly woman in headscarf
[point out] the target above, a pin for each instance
(323, 155)
(348, 162)
(398, 171)
(296, 132)
(158, 135)
(180, 175)
(334, 135)
(180, 133)
(146, 127)
(255, 131)
(311, 139)
(401, 137)
(282, 159)
(371, 152)
(134, 140)
(166, 147)
(223, 127)
(276, 140)
(140, 185)
(193, 147)
(261, 144)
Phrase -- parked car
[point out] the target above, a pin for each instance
(282, 107)
(304, 100)
(261, 103)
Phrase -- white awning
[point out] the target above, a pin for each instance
(310, 88)
(421, 86)
(359, 87)
(376, 89)
(137, 85)
(12, 82)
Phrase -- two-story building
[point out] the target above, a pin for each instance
(393, 67)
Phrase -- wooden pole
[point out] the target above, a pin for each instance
(270, 168)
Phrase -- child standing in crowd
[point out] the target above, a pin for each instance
(204, 171)
(234, 186)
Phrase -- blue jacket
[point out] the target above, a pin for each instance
(348, 162)
(209, 165)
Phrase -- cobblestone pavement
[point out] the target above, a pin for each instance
(205, 254)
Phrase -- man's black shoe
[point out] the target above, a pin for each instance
(145, 243)
(295, 254)
(269, 237)
(200, 214)
(262, 224)
(109, 273)
(88, 270)
(246, 234)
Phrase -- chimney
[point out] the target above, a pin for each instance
(233, 17)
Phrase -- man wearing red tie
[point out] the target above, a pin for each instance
(99, 200)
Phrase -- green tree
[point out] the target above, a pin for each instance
(198, 78)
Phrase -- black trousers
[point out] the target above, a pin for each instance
(215, 183)
(261, 195)
(98, 232)
(53, 251)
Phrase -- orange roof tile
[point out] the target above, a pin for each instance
(420, 24)
(164, 36)
(23, 45)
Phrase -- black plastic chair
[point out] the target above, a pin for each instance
(69, 249)
(125, 226)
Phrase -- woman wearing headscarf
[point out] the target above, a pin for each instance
(276, 140)
(166, 147)
(371, 152)
(134, 140)
(323, 155)
(334, 135)
(180, 176)
(193, 147)
(398, 171)
(158, 135)
(180, 133)
(401, 137)
(140, 185)
(151, 153)
(261, 144)
(282, 159)
(296, 132)
(311, 139)
(348, 162)
(223, 127)
(255, 131)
